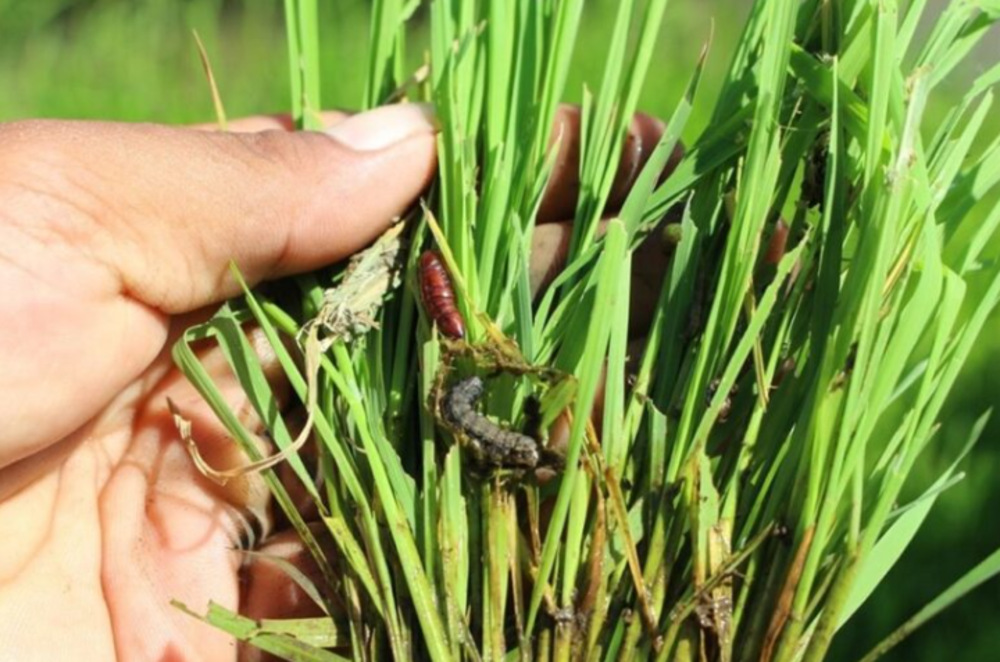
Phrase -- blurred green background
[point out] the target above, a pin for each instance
(136, 60)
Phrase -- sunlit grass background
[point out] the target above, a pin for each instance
(136, 60)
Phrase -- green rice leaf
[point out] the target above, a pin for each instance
(279, 639)
(984, 572)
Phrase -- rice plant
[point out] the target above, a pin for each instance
(728, 488)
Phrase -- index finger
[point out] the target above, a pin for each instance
(560, 197)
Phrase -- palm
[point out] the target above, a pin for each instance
(111, 524)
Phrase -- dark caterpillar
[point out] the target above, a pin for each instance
(439, 297)
(492, 446)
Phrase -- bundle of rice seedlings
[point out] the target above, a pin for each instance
(727, 489)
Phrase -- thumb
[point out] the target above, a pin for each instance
(274, 202)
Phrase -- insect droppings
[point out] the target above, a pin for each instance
(439, 296)
(492, 446)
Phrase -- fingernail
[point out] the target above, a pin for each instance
(381, 127)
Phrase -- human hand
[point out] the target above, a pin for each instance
(113, 239)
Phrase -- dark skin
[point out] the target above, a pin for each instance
(113, 239)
